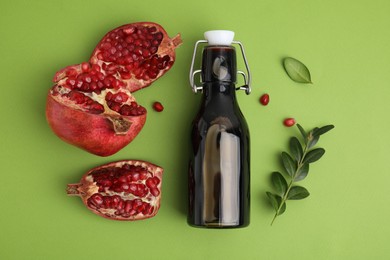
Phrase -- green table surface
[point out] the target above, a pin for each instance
(345, 44)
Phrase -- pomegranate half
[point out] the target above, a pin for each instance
(91, 104)
(122, 190)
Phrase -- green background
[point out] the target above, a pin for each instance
(346, 46)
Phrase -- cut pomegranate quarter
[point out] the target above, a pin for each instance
(91, 104)
(123, 190)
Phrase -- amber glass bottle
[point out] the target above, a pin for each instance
(219, 169)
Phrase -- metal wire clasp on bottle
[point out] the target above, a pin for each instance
(247, 77)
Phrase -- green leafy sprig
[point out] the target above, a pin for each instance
(296, 167)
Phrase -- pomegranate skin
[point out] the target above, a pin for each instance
(90, 185)
(93, 133)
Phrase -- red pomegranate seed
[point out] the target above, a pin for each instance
(85, 66)
(155, 192)
(289, 122)
(157, 106)
(264, 99)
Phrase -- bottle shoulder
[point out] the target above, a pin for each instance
(231, 120)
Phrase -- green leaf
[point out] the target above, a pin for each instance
(283, 208)
(313, 155)
(279, 183)
(276, 200)
(312, 140)
(296, 70)
(273, 200)
(303, 132)
(296, 148)
(302, 172)
(322, 130)
(289, 163)
(297, 193)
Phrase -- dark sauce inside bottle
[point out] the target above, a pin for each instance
(219, 179)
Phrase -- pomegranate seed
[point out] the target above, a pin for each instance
(121, 204)
(157, 106)
(71, 72)
(150, 183)
(95, 67)
(97, 199)
(129, 30)
(106, 45)
(115, 201)
(115, 106)
(153, 49)
(125, 75)
(96, 108)
(133, 188)
(155, 192)
(122, 179)
(125, 186)
(135, 176)
(118, 98)
(159, 36)
(264, 99)
(88, 79)
(71, 81)
(85, 66)
(109, 96)
(156, 180)
(128, 206)
(143, 175)
(125, 110)
(289, 122)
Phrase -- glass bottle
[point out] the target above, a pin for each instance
(219, 169)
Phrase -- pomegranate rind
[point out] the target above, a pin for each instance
(86, 188)
(93, 133)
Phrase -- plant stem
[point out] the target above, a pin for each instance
(284, 198)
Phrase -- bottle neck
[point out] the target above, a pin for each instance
(219, 64)
(219, 90)
(219, 73)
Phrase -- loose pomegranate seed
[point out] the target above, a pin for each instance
(289, 122)
(264, 99)
(158, 106)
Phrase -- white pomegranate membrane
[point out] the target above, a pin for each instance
(124, 190)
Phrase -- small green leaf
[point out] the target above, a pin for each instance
(303, 132)
(312, 140)
(283, 208)
(297, 193)
(302, 172)
(288, 163)
(273, 200)
(322, 130)
(296, 148)
(276, 200)
(279, 183)
(296, 70)
(314, 155)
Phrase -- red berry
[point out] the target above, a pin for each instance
(264, 99)
(158, 106)
(289, 122)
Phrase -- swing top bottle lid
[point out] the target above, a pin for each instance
(219, 37)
